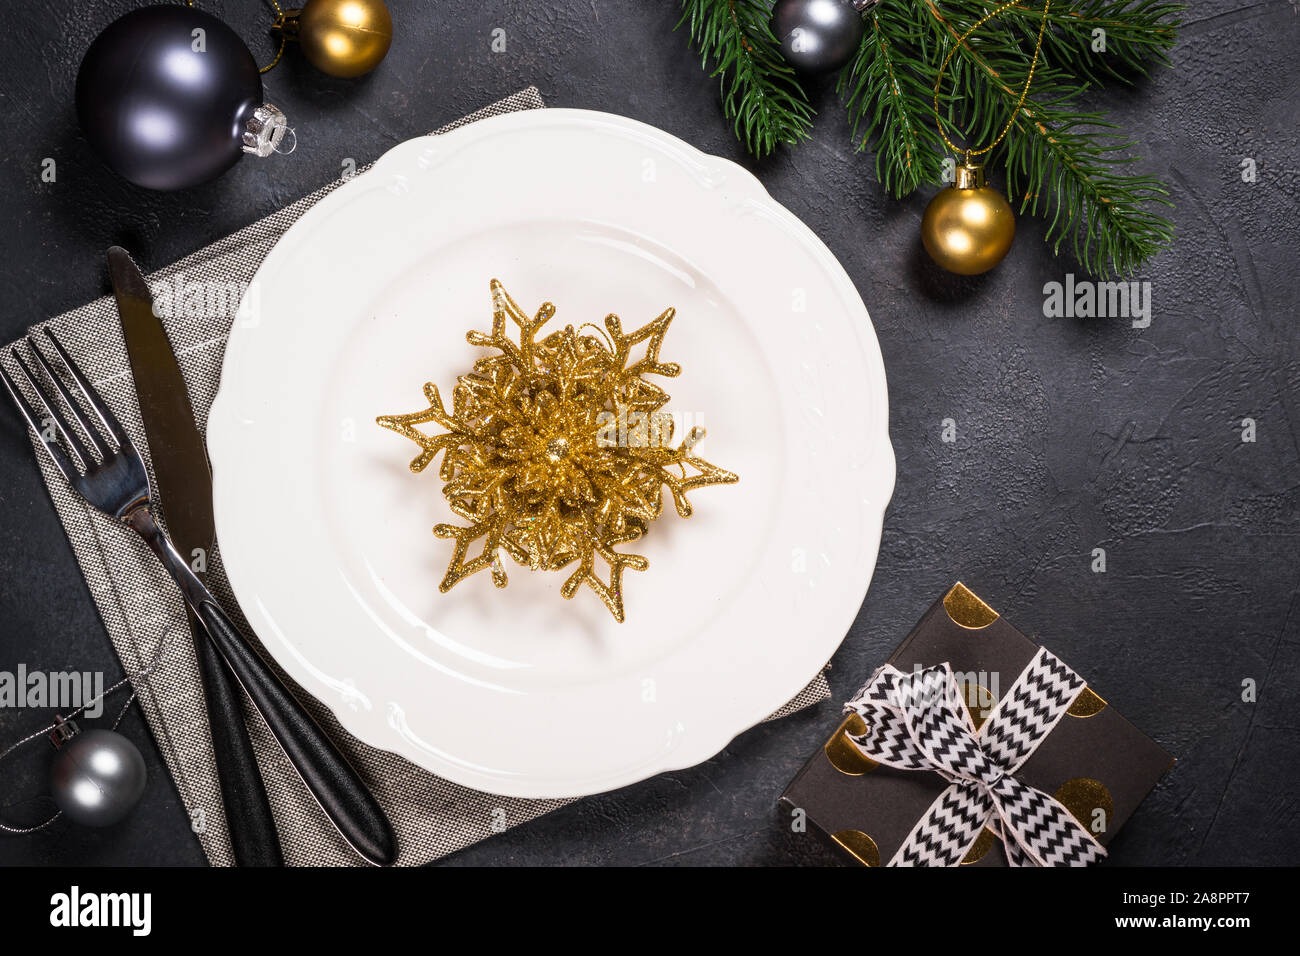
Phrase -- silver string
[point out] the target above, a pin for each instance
(142, 673)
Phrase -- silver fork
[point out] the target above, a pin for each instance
(115, 482)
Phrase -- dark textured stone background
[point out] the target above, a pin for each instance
(1073, 434)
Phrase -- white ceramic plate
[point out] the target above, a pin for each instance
(326, 535)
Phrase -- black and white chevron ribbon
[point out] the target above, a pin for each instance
(917, 721)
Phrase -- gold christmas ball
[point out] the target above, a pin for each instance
(343, 38)
(969, 226)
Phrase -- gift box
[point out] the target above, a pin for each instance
(974, 746)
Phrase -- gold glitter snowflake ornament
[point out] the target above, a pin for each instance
(557, 451)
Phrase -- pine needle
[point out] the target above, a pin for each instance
(1062, 162)
(760, 92)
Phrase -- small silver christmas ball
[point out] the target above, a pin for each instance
(818, 36)
(97, 778)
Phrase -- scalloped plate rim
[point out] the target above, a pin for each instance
(700, 744)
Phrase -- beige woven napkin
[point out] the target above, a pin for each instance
(141, 607)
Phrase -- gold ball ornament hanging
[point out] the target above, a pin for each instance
(968, 227)
(344, 38)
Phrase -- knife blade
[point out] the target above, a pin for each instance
(183, 487)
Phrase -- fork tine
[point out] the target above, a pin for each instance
(87, 428)
(69, 436)
(97, 404)
(61, 460)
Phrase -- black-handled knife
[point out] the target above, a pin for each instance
(183, 483)
(335, 783)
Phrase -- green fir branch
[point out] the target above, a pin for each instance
(1136, 34)
(1064, 163)
(1060, 162)
(888, 90)
(760, 92)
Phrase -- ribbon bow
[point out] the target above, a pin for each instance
(918, 721)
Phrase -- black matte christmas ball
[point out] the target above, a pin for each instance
(818, 36)
(164, 95)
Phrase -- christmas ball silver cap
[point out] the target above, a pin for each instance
(265, 130)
